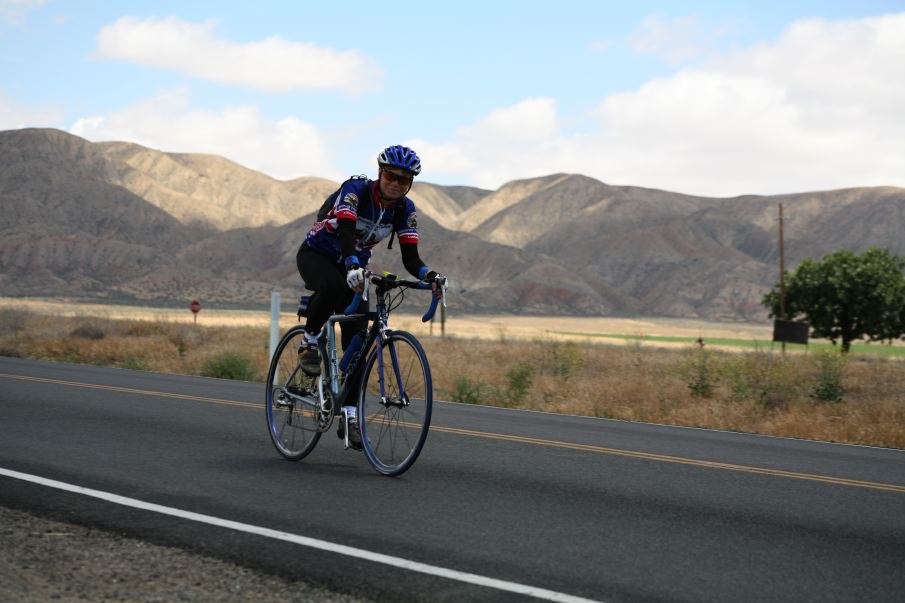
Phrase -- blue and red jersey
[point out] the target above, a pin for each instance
(359, 200)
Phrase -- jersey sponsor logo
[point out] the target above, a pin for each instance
(412, 220)
(351, 199)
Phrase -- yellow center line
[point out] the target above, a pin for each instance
(839, 481)
(130, 390)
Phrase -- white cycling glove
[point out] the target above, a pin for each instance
(355, 278)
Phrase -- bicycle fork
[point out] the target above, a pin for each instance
(403, 400)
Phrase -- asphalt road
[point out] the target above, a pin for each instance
(580, 507)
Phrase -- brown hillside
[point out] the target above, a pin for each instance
(117, 220)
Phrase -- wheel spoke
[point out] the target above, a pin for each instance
(291, 401)
(395, 420)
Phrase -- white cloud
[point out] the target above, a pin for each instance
(819, 108)
(285, 149)
(14, 116)
(502, 145)
(675, 41)
(531, 120)
(272, 64)
(15, 12)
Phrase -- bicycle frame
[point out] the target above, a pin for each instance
(379, 327)
(329, 350)
(387, 402)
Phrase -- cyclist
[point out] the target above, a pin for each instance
(332, 258)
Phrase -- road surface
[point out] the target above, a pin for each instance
(502, 504)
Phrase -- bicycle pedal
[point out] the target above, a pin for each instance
(343, 430)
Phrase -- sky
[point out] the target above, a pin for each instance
(705, 98)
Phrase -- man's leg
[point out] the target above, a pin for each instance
(328, 282)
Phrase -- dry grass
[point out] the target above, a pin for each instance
(758, 391)
(493, 327)
(167, 347)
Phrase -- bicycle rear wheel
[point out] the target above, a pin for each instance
(394, 404)
(294, 418)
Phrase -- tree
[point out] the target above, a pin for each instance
(846, 296)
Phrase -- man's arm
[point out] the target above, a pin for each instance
(413, 262)
(345, 228)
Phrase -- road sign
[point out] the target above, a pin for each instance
(790, 331)
(195, 307)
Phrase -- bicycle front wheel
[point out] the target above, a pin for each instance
(294, 418)
(394, 404)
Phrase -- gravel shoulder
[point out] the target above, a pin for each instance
(44, 560)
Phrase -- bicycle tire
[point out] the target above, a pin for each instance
(394, 425)
(291, 402)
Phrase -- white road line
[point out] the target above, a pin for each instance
(415, 566)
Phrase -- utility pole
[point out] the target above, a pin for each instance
(782, 275)
(782, 269)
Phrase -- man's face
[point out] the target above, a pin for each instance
(394, 182)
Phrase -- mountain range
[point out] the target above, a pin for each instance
(118, 221)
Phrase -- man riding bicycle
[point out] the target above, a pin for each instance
(332, 258)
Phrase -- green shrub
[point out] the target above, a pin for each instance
(699, 373)
(467, 391)
(768, 380)
(521, 376)
(68, 354)
(830, 366)
(229, 365)
(180, 344)
(562, 359)
(131, 361)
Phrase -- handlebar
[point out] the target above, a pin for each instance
(383, 281)
(354, 305)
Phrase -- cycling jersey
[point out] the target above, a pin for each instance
(359, 200)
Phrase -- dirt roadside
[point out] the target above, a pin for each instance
(46, 560)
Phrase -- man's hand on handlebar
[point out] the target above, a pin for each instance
(355, 278)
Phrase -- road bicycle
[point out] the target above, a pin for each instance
(383, 372)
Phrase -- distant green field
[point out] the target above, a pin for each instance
(857, 348)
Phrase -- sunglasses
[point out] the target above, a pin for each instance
(404, 180)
